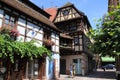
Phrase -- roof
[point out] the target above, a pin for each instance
(29, 11)
(67, 5)
(52, 12)
(35, 7)
(65, 36)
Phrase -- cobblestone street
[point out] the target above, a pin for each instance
(98, 75)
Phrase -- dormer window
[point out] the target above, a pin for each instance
(65, 12)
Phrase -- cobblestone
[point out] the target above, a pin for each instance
(98, 75)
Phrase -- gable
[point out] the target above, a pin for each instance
(67, 13)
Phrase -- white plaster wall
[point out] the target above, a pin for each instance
(20, 38)
(36, 28)
(30, 25)
(55, 39)
(39, 36)
(41, 30)
(53, 48)
(1, 16)
(57, 48)
(21, 30)
(0, 23)
(84, 61)
(57, 36)
(69, 59)
(38, 43)
(30, 33)
(54, 56)
(28, 39)
(57, 42)
(53, 35)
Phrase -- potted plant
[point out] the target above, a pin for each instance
(48, 42)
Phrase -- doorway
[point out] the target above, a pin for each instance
(62, 66)
(78, 66)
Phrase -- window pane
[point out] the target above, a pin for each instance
(6, 21)
(36, 67)
(12, 19)
(65, 12)
(76, 41)
(75, 61)
(7, 16)
(9, 20)
(12, 24)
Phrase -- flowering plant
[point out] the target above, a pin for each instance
(8, 30)
(14, 32)
(48, 42)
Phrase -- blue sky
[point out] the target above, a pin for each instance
(93, 9)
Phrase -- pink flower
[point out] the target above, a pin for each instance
(48, 42)
(14, 32)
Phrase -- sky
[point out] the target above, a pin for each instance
(93, 9)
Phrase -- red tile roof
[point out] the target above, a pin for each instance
(52, 12)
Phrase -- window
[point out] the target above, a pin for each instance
(75, 61)
(36, 67)
(33, 69)
(47, 35)
(9, 20)
(65, 12)
(72, 28)
(76, 40)
(16, 65)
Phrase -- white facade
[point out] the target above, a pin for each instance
(52, 67)
(33, 30)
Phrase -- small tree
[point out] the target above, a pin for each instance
(107, 36)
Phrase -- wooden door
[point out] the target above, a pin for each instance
(42, 68)
(62, 66)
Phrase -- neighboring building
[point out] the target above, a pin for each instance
(112, 4)
(74, 25)
(32, 23)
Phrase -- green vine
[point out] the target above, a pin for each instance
(9, 48)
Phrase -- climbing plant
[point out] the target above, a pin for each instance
(9, 47)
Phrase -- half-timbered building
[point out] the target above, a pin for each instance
(32, 23)
(74, 25)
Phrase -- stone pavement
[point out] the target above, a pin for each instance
(98, 75)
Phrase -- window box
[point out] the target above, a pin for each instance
(48, 42)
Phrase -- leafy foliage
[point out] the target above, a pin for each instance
(106, 38)
(9, 48)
